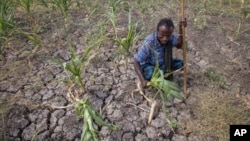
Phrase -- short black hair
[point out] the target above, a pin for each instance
(165, 22)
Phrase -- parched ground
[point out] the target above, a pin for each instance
(218, 63)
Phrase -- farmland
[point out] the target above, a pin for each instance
(66, 74)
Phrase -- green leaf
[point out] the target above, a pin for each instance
(35, 40)
(99, 120)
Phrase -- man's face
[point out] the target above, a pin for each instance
(164, 33)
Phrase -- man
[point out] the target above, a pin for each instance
(158, 42)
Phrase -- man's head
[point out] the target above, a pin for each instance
(165, 28)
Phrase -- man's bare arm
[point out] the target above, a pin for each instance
(139, 73)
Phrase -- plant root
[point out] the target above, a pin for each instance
(137, 106)
(152, 109)
(141, 91)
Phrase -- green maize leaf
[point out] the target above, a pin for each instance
(79, 81)
(99, 121)
(86, 52)
(64, 64)
(70, 69)
(87, 137)
(90, 124)
(84, 130)
(73, 54)
(57, 61)
(34, 39)
(175, 94)
(80, 107)
(172, 85)
(44, 3)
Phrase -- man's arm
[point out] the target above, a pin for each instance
(139, 73)
(180, 42)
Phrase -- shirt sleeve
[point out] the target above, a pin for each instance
(142, 54)
(174, 40)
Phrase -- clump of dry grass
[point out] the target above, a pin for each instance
(214, 113)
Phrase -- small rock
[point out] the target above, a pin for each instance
(97, 103)
(116, 136)
(32, 117)
(141, 137)
(52, 85)
(43, 136)
(71, 133)
(59, 101)
(179, 138)
(15, 86)
(29, 132)
(42, 114)
(95, 87)
(124, 77)
(139, 125)
(127, 126)
(113, 92)
(105, 131)
(12, 139)
(166, 130)
(102, 71)
(57, 137)
(173, 112)
(158, 123)
(55, 116)
(122, 69)
(3, 86)
(132, 115)
(109, 99)
(48, 95)
(23, 123)
(14, 132)
(28, 93)
(43, 91)
(151, 132)
(119, 95)
(48, 76)
(101, 94)
(117, 115)
(128, 137)
(58, 129)
(115, 73)
(202, 64)
(42, 126)
(143, 115)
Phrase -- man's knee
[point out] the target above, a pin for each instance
(177, 64)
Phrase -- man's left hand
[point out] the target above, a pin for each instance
(181, 23)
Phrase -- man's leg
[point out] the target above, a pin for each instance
(147, 71)
(177, 64)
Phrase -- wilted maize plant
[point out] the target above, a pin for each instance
(167, 89)
(91, 118)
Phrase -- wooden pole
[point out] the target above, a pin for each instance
(184, 51)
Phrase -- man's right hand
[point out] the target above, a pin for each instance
(144, 84)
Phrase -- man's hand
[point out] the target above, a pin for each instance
(144, 83)
(179, 44)
(181, 23)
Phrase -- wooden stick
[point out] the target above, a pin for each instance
(184, 51)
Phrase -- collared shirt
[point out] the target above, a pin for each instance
(146, 55)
